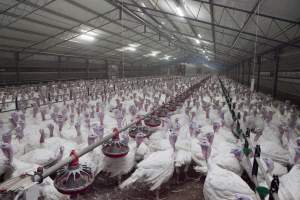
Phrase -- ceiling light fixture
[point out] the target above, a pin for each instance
(140, 11)
(179, 12)
(166, 57)
(143, 4)
(134, 45)
(86, 37)
(152, 54)
(130, 48)
(155, 53)
(91, 33)
(126, 49)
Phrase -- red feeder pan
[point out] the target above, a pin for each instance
(139, 129)
(171, 107)
(74, 178)
(115, 149)
(180, 98)
(152, 121)
(162, 112)
(178, 103)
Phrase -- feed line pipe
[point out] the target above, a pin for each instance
(39, 177)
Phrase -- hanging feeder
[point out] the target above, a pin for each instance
(134, 130)
(114, 148)
(162, 112)
(152, 121)
(180, 99)
(178, 103)
(171, 107)
(74, 178)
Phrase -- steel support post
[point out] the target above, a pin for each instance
(17, 59)
(236, 73)
(275, 74)
(106, 69)
(258, 72)
(243, 72)
(87, 64)
(249, 71)
(121, 70)
(59, 67)
(240, 72)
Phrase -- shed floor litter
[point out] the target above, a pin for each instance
(190, 189)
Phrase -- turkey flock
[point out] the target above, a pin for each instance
(55, 118)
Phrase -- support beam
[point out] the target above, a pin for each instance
(258, 73)
(121, 69)
(26, 14)
(245, 24)
(222, 27)
(157, 22)
(106, 69)
(59, 67)
(235, 73)
(133, 15)
(202, 27)
(45, 53)
(243, 72)
(281, 46)
(249, 71)
(239, 72)
(189, 23)
(275, 73)
(249, 12)
(87, 23)
(212, 18)
(87, 64)
(17, 59)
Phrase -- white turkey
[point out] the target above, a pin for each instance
(6, 161)
(43, 157)
(155, 169)
(221, 184)
(290, 184)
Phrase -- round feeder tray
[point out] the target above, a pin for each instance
(74, 178)
(171, 107)
(180, 99)
(137, 129)
(114, 148)
(152, 121)
(162, 112)
(178, 103)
